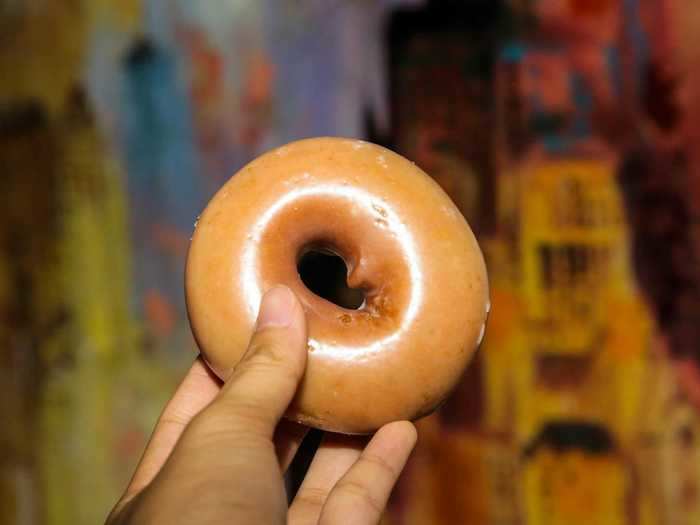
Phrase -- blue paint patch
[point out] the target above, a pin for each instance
(513, 52)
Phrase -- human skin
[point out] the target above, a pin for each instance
(219, 451)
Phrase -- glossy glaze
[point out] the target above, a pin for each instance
(404, 243)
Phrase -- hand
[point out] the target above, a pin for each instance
(218, 452)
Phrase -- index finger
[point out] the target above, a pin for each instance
(198, 388)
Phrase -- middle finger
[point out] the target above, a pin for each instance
(335, 456)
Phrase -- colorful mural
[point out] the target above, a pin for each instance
(566, 132)
(574, 358)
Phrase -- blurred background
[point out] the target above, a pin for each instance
(567, 131)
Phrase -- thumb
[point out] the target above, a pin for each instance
(264, 382)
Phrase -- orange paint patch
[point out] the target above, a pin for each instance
(159, 313)
(504, 318)
(259, 81)
(170, 239)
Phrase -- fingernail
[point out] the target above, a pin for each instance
(276, 308)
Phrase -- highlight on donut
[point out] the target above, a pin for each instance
(390, 275)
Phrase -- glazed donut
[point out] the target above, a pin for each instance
(406, 246)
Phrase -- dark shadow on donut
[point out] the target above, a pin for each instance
(325, 274)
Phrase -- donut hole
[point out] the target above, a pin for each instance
(325, 274)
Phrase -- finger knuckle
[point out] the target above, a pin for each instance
(234, 416)
(205, 426)
(173, 419)
(361, 495)
(246, 413)
(266, 347)
(217, 429)
(380, 464)
(313, 497)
